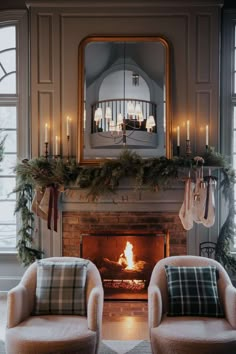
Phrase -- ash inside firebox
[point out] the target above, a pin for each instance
(133, 285)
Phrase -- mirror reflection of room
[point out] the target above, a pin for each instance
(124, 98)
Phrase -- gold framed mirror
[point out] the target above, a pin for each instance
(124, 97)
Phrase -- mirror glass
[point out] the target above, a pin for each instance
(124, 99)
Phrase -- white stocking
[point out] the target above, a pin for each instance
(199, 198)
(208, 214)
(185, 212)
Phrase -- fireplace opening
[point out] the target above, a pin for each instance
(125, 262)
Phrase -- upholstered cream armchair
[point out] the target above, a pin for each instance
(27, 333)
(190, 334)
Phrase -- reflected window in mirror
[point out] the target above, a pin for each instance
(124, 97)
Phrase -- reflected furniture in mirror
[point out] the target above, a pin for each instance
(124, 97)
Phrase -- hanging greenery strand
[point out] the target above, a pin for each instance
(2, 142)
(227, 232)
(155, 173)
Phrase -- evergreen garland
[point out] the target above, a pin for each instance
(227, 231)
(156, 173)
(2, 142)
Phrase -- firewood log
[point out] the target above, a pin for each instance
(112, 265)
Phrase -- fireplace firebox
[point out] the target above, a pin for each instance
(125, 261)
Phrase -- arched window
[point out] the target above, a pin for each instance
(13, 117)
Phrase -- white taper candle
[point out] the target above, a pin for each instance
(56, 145)
(188, 130)
(68, 126)
(207, 135)
(178, 135)
(46, 133)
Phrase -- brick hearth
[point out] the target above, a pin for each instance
(76, 224)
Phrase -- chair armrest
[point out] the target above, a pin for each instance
(154, 306)
(95, 309)
(18, 305)
(230, 305)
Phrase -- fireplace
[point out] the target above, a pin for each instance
(100, 235)
(125, 261)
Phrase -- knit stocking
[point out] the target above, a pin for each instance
(185, 212)
(208, 213)
(199, 198)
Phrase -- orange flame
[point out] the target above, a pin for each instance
(129, 255)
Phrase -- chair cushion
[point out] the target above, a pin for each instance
(51, 334)
(60, 288)
(193, 335)
(192, 291)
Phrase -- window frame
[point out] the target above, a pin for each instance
(19, 19)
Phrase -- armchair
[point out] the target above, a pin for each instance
(190, 334)
(27, 333)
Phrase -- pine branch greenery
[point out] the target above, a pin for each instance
(155, 173)
(2, 142)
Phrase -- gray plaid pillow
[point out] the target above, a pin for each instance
(60, 288)
(193, 291)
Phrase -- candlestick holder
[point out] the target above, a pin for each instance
(188, 147)
(68, 148)
(46, 149)
(178, 150)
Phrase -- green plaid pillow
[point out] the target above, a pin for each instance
(60, 288)
(193, 291)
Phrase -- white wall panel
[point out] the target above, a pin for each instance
(204, 49)
(45, 114)
(202, 118)
(193, 33)
(45, 48)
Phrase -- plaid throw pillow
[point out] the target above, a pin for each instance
(60, 288)
(193, 291)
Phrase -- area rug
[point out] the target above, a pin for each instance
(125, 347)
(116, 347)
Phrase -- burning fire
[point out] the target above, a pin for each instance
(128, 256)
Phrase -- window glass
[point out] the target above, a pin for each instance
(8, 84)
(7, 235)
(234, 53)
(234, 160)
(7, 37)
(234, 141)
(8, 60)
(8, 117)
(234, 120)
(234, 82)
(8, 128)
(235, 36)
(6, 187)
(7, 212)
(10, 142)
(7, 167)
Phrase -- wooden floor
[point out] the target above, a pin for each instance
(122, 320)
(125, 320)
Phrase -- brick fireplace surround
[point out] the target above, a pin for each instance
(125, 214)
(76, 224)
